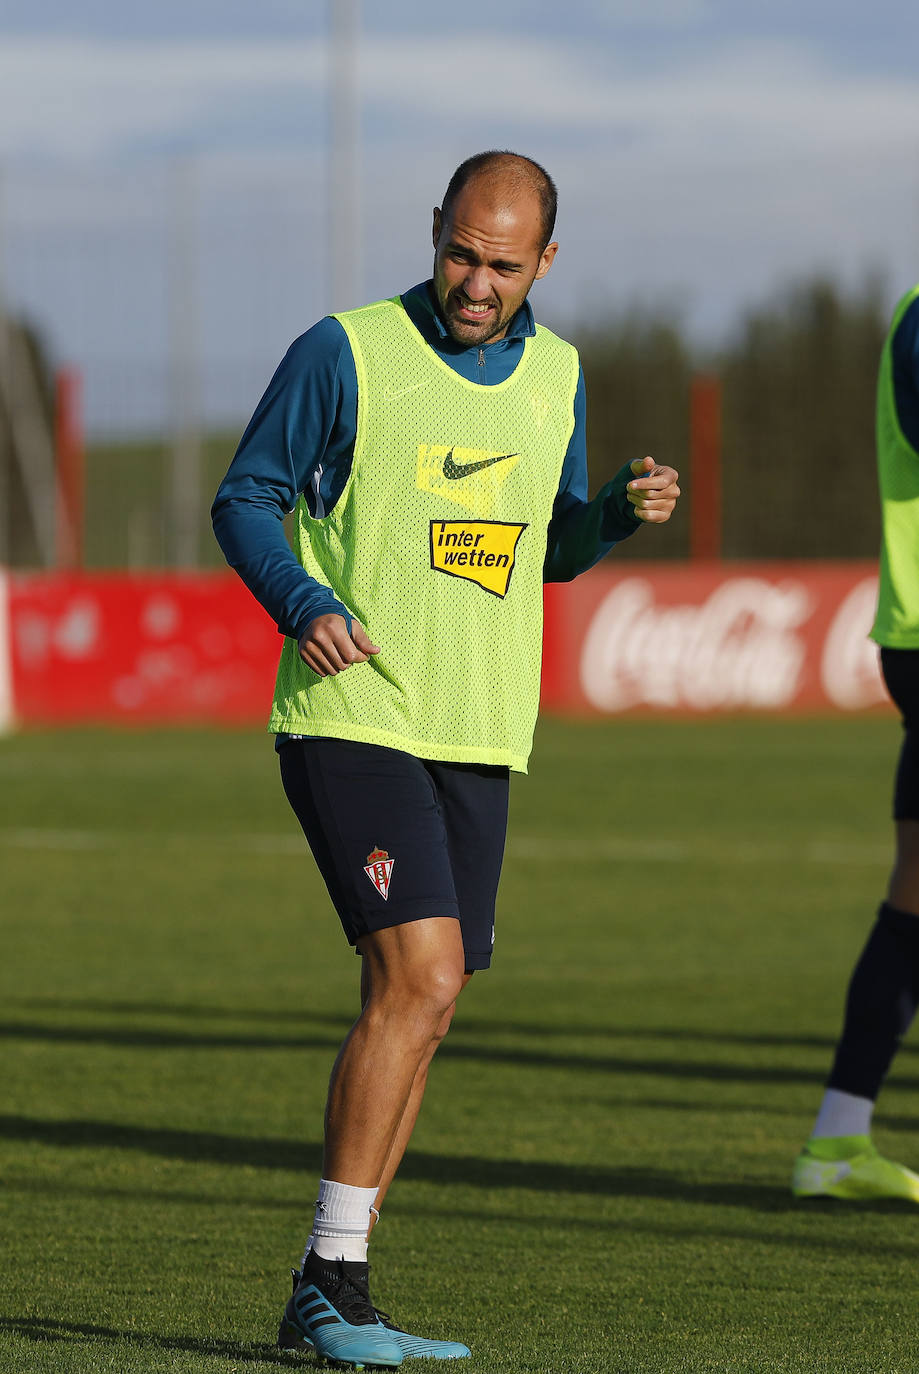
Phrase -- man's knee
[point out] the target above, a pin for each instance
(419, 966)
(429, 991)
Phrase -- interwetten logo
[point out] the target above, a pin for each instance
(481, 551)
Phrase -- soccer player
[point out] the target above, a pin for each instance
(433, 446)
(840, 1160)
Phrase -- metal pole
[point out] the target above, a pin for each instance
(70, 458)
(344, 200)
(184, 500)
(705, 468)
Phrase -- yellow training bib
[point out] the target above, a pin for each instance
(436, 545)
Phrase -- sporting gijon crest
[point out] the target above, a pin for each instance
(379, 867)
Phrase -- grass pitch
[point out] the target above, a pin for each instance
(599, 1181)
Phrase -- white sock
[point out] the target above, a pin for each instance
(341, 1222)
(843, 1114)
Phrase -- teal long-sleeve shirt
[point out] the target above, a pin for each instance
(300, 440)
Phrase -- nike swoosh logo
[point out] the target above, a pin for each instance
(394, 395)
(453, 471)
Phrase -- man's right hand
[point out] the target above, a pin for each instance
(327, 648)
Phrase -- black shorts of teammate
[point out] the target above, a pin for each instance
(901, 674)
(400, 839)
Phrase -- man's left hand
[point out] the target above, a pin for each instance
(653, 490)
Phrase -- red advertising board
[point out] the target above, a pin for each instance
(197, 648)
(713, 637)
(138, 649)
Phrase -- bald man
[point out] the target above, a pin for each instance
(433, 448)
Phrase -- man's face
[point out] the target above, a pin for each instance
(487, 254)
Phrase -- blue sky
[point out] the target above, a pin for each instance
(706, 154)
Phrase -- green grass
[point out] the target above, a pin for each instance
(599, 1180)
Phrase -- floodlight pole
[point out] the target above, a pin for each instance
(344, 179)
(184, 498)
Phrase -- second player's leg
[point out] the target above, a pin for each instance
(901, 674)
(884, 988)
(839, 1159)
(903, 892)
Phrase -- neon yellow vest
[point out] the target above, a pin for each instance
(436, 545)
(897, 622)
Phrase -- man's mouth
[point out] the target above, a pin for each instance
(473, 310)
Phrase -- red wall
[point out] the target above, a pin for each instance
(197, 647)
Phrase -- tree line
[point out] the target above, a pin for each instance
(798, 382)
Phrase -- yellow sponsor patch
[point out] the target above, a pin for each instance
(482, 551)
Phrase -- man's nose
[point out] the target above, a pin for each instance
(477, 284)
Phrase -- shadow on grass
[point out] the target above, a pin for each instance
(814, 1212)
(138, 1037)
(718, 1106)
(194, 1011)
(623, 1183)
(163, 1197)
(762, 1198)
(49, 1329)
(457, 1048)
(454, 1170)
(471, 1028)
(816, 1218)
(193, 1147)
(899, 1122)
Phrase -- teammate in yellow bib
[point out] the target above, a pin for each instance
(433, 447)
(840, 1159)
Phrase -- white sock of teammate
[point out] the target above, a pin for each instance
(341, 1222)
(843, 1114)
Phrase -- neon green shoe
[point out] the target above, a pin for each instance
(849, 1166)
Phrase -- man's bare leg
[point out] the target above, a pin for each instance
(414, 974)
(413, 1106)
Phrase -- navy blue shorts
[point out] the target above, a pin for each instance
(398, 838)
(901, 674)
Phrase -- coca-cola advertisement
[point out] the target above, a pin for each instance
(714, 637)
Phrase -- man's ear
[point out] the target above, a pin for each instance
(546, 260)
(438, 223)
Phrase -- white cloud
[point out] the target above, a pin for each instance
(763, 96)
(648, 13)
(94, 99)
(74, 98)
